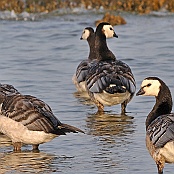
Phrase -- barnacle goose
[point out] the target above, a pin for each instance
(81, 71)
(159, 122)
(26, 119)
(109, 81)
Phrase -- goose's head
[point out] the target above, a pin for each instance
(88, 31)
(106, 29)
(150, 86)
(6, 89)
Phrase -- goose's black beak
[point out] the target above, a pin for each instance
(115, 35)
(140, 92)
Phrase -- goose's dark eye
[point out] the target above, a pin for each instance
(111, 28)
(148, 85)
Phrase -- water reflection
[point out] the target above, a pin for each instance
(4, 141)
(26, 162)
(109, 124)
(112, 133)
(83, 98)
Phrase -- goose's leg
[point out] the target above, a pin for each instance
(100, 107)
(35, 147)
(17, 146)
(160, 166)
(123, 107)
(97, 103)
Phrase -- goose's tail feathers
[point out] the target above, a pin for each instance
(66, 128)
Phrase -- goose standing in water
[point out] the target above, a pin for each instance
(81, 71)
(159, 122)
(109, 81)
(26, 119)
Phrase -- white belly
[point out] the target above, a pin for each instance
(111, 99)
(17, 132)
(168, 152)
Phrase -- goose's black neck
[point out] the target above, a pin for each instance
(162, 106)
(101, 49)
(91, 42)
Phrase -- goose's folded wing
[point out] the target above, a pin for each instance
(113, 76)
(126, 76)
(81, 71)
(24, 109)
(44, 109)
(38, 103)
(161, 130)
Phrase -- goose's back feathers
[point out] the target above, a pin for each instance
(38, 103)
(111, 76)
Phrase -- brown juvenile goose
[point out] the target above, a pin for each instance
(159, 122)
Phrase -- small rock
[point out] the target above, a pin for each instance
(113, 20)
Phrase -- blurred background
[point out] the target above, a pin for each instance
(137, 6)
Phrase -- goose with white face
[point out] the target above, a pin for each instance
(85, 34)
(149, 88)
(109, 31)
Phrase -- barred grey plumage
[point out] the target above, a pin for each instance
(161, 130)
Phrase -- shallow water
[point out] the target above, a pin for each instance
(40, 57)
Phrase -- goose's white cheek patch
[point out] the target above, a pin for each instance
(108, 31)
(151, 90)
